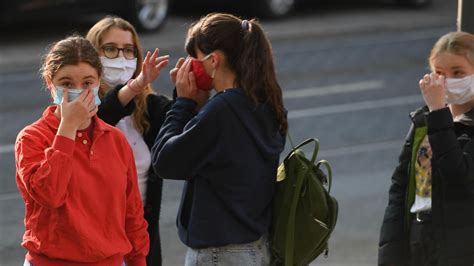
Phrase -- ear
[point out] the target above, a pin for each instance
(216, 59)
(49, 83)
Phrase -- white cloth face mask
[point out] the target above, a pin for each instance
(118, 71)
(460, 91)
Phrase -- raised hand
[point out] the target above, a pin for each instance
(76, 113)
(433, 89)
(186, 84)
(151, 69)
(174, 71)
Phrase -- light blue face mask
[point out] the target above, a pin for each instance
(73, 94)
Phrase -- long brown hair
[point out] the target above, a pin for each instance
(95, 35)
(248, 53)
(70, 51)
(458, 43)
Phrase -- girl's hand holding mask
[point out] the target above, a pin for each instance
(77, 112)
(433, 89)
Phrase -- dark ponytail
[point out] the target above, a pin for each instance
(248, 54)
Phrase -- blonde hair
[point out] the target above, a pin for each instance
(458, 43)
(95, 36)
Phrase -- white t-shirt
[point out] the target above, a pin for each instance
(140, 151)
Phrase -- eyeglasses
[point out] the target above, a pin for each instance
(112, 52)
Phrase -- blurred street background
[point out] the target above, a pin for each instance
(349, 72)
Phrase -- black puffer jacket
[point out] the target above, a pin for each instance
(111, 111)
(452, 191)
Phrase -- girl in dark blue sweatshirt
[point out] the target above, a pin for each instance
(227, 150)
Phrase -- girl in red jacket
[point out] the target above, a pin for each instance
(76, 173)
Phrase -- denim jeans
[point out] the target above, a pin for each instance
(251, 254)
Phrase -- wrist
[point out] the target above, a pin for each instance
(134, 86)
(436, 107)
(67, 130)
(68, 125)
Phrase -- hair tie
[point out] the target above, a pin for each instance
(246, 25)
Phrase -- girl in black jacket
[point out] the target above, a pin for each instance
(128, 102)
(430, 216)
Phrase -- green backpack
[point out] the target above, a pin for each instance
(304, 213)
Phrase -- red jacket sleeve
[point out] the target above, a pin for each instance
(44, 171)
(135, 223)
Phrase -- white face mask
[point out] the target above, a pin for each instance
(118, 71)
(460, 91)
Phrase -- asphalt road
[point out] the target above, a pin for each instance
(349, 75)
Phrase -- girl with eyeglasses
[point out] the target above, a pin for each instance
(76, 173)
(429, 219)
(130, 104)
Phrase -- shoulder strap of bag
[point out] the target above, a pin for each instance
(290, 233)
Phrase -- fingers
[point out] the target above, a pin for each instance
(93, 111)
(89, 103)
(180, 62)
(427, 78)
(82, 97)
(155, 55)
(154, 59)
(192, 81)
(162, 58)
(432, 79)
(162, 62)
(65, 96)
(147, 58)
(86, 99)
(422, 84)
(433, 90)
(183, 71)
(174, 71)
(187, 65)
(440, 81)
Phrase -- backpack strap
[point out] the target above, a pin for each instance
(329, 170)
(290, 140)
(313, 158)
(315, 151)
(290, 234)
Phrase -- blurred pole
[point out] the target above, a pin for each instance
(466, 16)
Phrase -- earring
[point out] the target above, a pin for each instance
(213, 73)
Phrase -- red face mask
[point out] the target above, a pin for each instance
(203, 80)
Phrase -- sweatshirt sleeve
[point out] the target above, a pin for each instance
(392, 235)
(185, 142)
(135, 223)
(44, 172)
(111, 110)
(455, 163)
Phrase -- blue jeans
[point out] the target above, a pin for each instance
(251, 254)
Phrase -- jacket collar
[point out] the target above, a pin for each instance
(418, 116)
